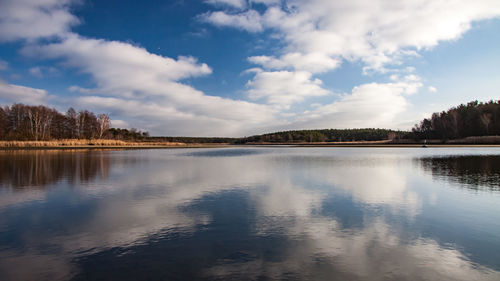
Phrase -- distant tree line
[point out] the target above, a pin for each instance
(194, 139)
(325, 135)
(126, 134)
(25, 122)
(466, 120)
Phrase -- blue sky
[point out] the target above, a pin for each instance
(239, 67)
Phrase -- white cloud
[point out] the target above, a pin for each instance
(284, 87)
(266, 2)
(36, 71)
(318, 35)
(240, 4)
(3, 65)
(11, 93)
(33, 19)
(112, 61)
(120, 124)
(41, 71)
(82, 90)
(249, 20)
(209, 116)
(377, 32)
(432, 89)
(369, 105)
(311, 62)
(146, 89)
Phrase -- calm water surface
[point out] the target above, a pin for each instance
(251, 214)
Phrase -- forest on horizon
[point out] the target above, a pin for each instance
(25, 122)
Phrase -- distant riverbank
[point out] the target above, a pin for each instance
(119, 144)
(99, 143)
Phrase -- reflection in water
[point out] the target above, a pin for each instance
(223, 152)
(475, 172)
(23, 168)
(245, 214)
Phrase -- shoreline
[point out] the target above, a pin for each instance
(93, 144)
(135, 147)
(99, 144)
(403, 145)
(108, 147)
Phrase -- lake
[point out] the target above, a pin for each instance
(250, 213)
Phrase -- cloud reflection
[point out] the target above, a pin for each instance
(148, 194)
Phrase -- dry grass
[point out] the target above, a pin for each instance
(84, 143)
(322, 143)
(477, 140)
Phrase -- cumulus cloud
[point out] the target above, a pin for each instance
(266, 2)
(34, 19)
(249, 20)
(82, 90)
(36, 71)
(368, 105)
(110, 61)
(3, 65)
(40, 71)
(134, 83)
(130, 81)
(311, 62)
(284, 87)
(319, 35)
(119, 124)
(377, 32)
(240, 4)
(11, 93)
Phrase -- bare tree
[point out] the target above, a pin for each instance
(47, 117)
(40, 121)
(486, 120)
(71, 123)
(80, 124)
(87, 124)
(103, 124)
(33, 118)
(4, 122)
(23, 122)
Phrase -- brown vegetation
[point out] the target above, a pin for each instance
(85, 143)
(21, 122)
(476, 140)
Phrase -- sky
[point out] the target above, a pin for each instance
(243, 67)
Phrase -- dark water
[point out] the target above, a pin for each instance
(251, 214)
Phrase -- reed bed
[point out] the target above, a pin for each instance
(83, 143)
(477, 140)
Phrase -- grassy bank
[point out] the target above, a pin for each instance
(93, 143)
(105, 143)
